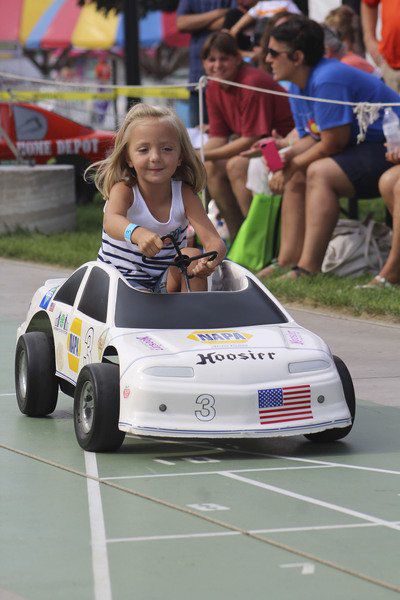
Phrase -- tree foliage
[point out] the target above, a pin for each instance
(144, 6)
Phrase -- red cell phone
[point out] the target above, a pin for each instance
(271, 155)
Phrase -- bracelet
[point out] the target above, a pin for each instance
(129, 230)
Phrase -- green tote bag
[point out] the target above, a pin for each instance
(257, 241)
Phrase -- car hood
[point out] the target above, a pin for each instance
(236, 351)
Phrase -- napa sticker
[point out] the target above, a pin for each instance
(74, 344)
(220, 336)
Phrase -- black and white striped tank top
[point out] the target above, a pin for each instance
(126, 256)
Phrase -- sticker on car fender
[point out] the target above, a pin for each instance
(45, 301)
(61, 323)
(293, 338)
(101, 344)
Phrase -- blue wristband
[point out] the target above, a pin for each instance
(129, 230)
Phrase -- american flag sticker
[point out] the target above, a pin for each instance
(278, 405)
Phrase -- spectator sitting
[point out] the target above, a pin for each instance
(346, 25)
(386, 54)
(326, 163)
(389, 187)
(256, 176)
(199, 18)
(335, 48)
(233, 111)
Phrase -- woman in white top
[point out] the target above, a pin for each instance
(150, 181)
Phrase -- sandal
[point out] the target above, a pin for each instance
(297, 272)
(377, 283)
(271, 269)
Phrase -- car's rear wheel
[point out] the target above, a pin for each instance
(35, 380)
(96, 408)
(331, 435)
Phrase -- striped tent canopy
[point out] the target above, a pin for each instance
(55, 24)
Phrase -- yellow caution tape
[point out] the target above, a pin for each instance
(178, 93)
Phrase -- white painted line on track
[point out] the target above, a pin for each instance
(310, 500)
(335, 464)
(306, 568)
(10, 394)
(153, 538)
(155, 475)
(101, 573)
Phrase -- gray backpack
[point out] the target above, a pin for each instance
(357, 248)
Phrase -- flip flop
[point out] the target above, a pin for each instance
(296, 273)
(377, 283)
(271, 269)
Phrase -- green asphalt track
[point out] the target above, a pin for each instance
(67, 536)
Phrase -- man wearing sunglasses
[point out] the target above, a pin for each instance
(326, 163)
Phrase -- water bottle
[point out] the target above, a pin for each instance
(391, 129)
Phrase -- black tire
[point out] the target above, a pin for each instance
(331, 435)
(36, 383)
(96, 408)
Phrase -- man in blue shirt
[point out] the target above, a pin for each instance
(326, 163)
(200, 18)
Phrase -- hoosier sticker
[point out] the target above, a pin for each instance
(220, 336)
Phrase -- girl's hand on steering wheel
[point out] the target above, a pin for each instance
(149, 243)
(203, 268)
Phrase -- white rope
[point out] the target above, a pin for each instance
(299, 96)
(366, 112)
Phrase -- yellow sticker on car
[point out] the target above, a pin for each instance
(74, 344)
(220, 336)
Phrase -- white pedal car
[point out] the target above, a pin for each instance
(226, 363)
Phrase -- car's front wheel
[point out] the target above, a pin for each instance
(36, 384)
(96, 408)
(331, 435)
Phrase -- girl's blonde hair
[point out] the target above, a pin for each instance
(114, 168)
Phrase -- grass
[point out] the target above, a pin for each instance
(339, 293)
(71, 249)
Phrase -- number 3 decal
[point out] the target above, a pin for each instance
(207, 411)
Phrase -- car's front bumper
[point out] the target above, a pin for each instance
(176, 407)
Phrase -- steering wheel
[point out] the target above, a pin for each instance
(182, 261)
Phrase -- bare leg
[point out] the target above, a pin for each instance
(326, 183)
(389, 186)
(176, 282)
(236, 169)
(292, 221)
(220, 189)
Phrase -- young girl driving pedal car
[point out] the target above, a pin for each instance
(150, 181)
